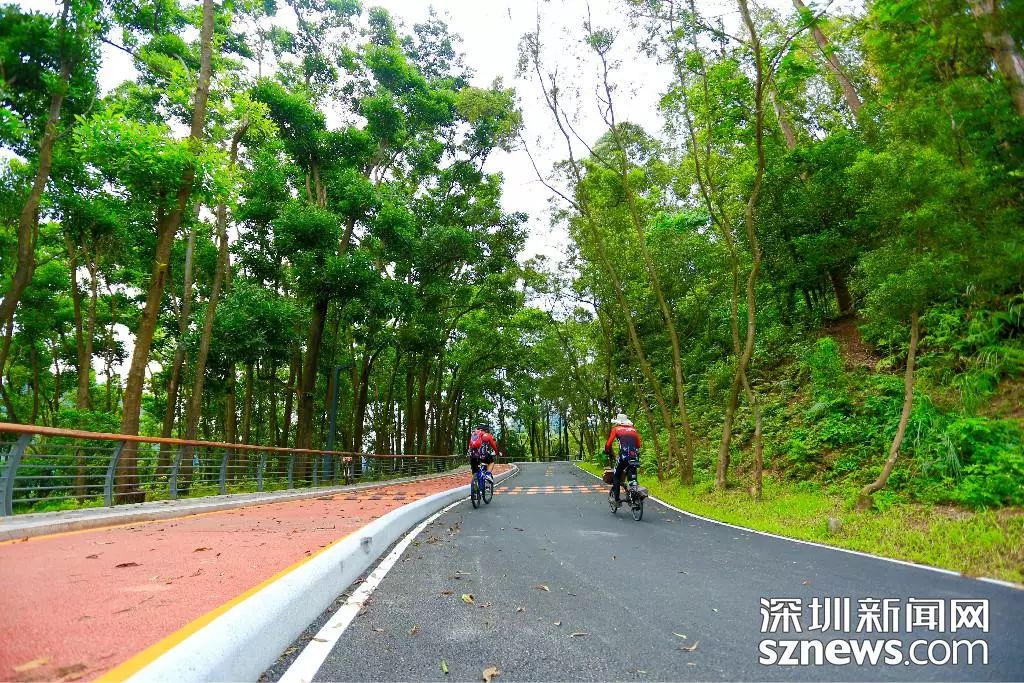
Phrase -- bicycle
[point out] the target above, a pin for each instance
(481, 487)
(635, 493)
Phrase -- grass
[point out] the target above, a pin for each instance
(987, 543)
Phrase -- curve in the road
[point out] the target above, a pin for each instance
(564, 590)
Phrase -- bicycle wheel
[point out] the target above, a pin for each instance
(474, 492)
(488, 491)
(612, 505)
(637, 508)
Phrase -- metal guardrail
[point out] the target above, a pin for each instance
(45, 468)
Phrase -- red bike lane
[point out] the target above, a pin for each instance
(77, 604)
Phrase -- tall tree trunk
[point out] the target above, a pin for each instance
(247, 405)
(788, 132)
(294, 367)
(831, 61)
(864, 499)
(127, 471)
(272, 398)
(410, 411)
(221, 280)
(1005, 50)
(421, 407)
(307, 385)
(741, 378)
(686, 469)
(174, 382)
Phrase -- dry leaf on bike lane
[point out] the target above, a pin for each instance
(490, 673)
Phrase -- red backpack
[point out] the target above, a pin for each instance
(476, 441)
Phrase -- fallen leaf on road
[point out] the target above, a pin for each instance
(72, 672)
(614, 557)
(447, 592)
(91, 557)
(414, 630)
(320, 640)
(714, 609)
(377, 629)
(678, 634)
(126, 564)
(490, 673)
(467, 598)
(542, 587)
(520, 609)
(197, 572)
(484, 604)
(806, 583)
(690, 648)
(199, 550)
(558, 623)
(579, 634)
(34, 664)
(444, 666)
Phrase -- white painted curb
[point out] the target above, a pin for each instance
(242, 643)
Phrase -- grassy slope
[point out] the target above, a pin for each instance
(974, 543)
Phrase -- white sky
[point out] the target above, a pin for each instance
(490, 31)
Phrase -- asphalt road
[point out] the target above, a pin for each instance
(622, 593)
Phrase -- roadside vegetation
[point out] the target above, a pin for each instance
(805, 283)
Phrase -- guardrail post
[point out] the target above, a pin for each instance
(259, 470)
(7, 484)
(224, 471)
(172, 485)
(108, 483)
(316, 471)
(291, 470)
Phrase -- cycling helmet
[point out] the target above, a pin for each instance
(483, 426)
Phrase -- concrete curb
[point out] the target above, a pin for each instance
(244, 641)
(23, 526)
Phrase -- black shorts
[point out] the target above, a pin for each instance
(475, 459)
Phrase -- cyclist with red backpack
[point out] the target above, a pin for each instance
(482, 448)
(625, 433)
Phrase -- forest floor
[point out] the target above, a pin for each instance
(974, 543)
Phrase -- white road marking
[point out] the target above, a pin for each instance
(313, 656)
(997, 582)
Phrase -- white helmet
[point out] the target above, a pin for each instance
(621, 419)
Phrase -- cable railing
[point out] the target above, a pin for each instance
(46, 468)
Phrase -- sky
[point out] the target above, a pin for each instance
(490, 32)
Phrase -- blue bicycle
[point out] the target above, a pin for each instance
(481, 487)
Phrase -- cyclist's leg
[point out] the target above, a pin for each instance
(620, 467)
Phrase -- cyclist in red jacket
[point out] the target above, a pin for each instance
(482, 448)
(629, 450)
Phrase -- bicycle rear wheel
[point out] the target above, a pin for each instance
(488, 491)
(474, 492)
